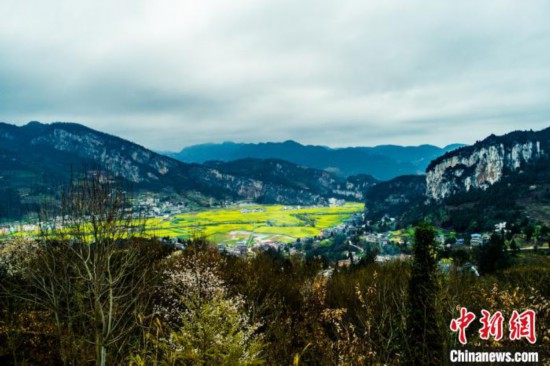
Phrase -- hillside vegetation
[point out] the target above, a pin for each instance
(109, 296)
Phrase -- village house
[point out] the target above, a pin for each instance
(501, 226)
(476, 239)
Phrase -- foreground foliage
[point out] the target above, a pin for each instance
(113, 298)
(207, 309)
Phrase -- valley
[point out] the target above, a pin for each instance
(293, 238)
(274, 183)
(253, 224)
(250, 223)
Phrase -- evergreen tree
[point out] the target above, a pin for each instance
(529, 230)
(514, 246)
(425, 340)
(492, 256)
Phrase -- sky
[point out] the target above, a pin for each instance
(169, 74)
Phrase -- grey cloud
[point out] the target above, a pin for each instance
(171, 73)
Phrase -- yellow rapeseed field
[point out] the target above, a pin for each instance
(273, 222)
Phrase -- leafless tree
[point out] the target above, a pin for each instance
(93, 272)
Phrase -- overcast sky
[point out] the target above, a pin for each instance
(168, 74)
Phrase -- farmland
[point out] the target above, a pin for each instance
(263, 222)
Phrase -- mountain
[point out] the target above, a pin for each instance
(486, 162)
(501, 178)
(50, 150)
(396, 196)
(472, 188)
(299, 178)
(382, 162)
(37, 158)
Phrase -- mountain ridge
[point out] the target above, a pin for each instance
(498, 179)
(35, 155)
(383, 162)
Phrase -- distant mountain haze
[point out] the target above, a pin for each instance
(382, 162)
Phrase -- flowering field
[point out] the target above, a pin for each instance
(269, 222)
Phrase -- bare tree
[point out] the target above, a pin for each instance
(93, 272)
(94, 210)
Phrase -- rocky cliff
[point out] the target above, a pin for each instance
(485, 163)
(130, 161)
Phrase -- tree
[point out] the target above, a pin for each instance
(544, 230)
(529, 230)
(514, 246)
(94, 210)
(492, 256)
(90, 272)
(425, 345)
(217, 332)
(198, 321)
(16, 257)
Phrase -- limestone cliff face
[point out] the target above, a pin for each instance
(485, 163)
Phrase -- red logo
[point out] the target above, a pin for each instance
(520, 325)
(523, 326)
(492, 325)
(460, 324)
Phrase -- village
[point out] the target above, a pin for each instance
(343, 245)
